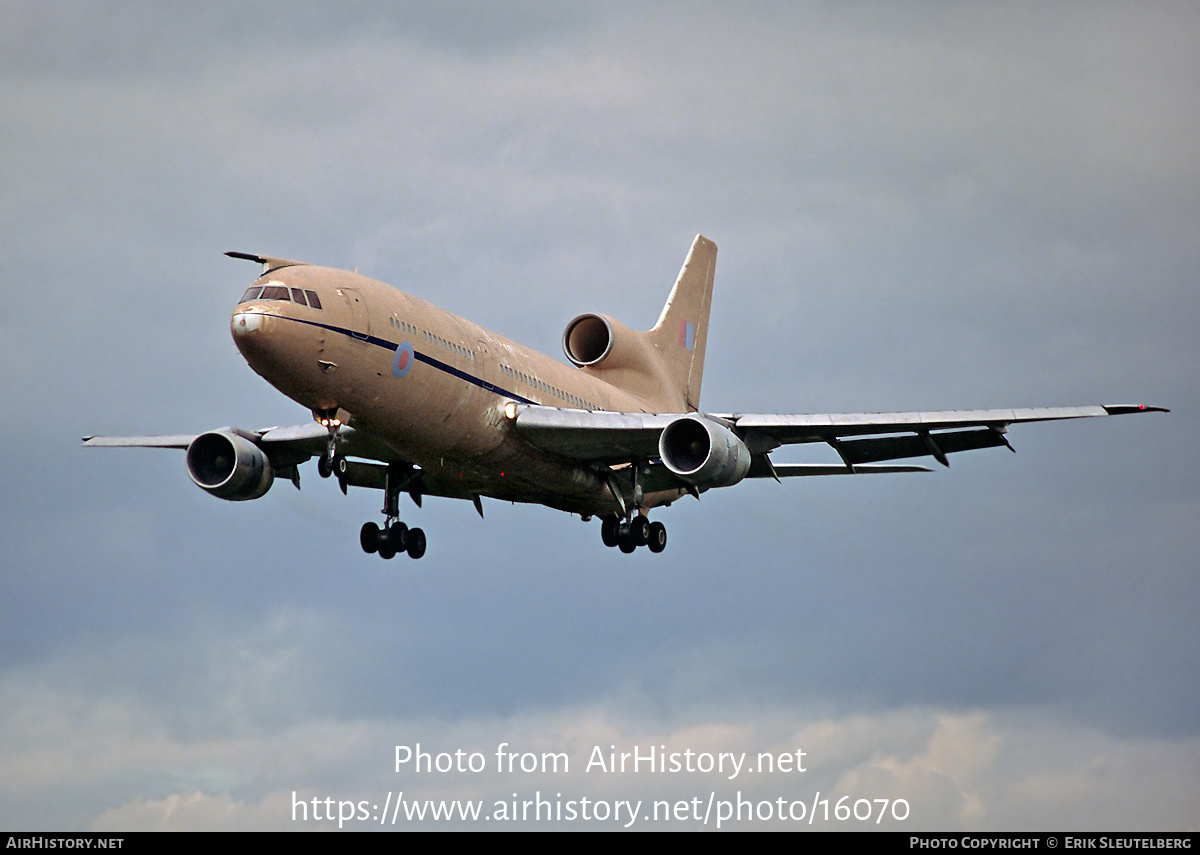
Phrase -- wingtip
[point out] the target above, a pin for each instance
(1123, 409)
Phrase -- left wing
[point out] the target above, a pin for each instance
(860, 439)
(284, 445)
(179, 440)
(236, 464)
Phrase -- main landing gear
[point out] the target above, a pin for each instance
(394, 536)
(638, 531)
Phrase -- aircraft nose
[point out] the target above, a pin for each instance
(251, 334)
(245, 324)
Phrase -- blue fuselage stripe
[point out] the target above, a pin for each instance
(418, 355)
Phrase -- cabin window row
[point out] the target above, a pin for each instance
(529, 379)
(449, 345)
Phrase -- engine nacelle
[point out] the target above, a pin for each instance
(588, 340)
(703, 453)
(229, 466)
(598, 341)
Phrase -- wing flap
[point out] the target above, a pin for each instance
(606, 437)
(874, 449)
(821, 427)
(797, 470)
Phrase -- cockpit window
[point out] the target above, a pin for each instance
(281, 292)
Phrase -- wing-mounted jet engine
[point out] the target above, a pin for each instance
(229, 466)
(703, 452)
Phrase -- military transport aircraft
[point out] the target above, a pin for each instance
(409, 398)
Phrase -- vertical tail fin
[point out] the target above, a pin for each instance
(681, 332)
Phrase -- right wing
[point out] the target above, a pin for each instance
(860, 439)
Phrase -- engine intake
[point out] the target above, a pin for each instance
(601, 342)
(588, 339)
(703, 452)
(229, 466)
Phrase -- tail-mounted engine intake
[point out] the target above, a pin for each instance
(597, 341)
(703, 452)
(588, 340)
(229, 466)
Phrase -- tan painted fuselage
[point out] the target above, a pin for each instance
(433, 386)
(411, 399)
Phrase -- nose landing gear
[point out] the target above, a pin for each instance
(330, 461)
(327, 463)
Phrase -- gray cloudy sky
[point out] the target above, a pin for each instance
(919, 206)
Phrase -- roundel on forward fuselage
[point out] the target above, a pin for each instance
(404, 359)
